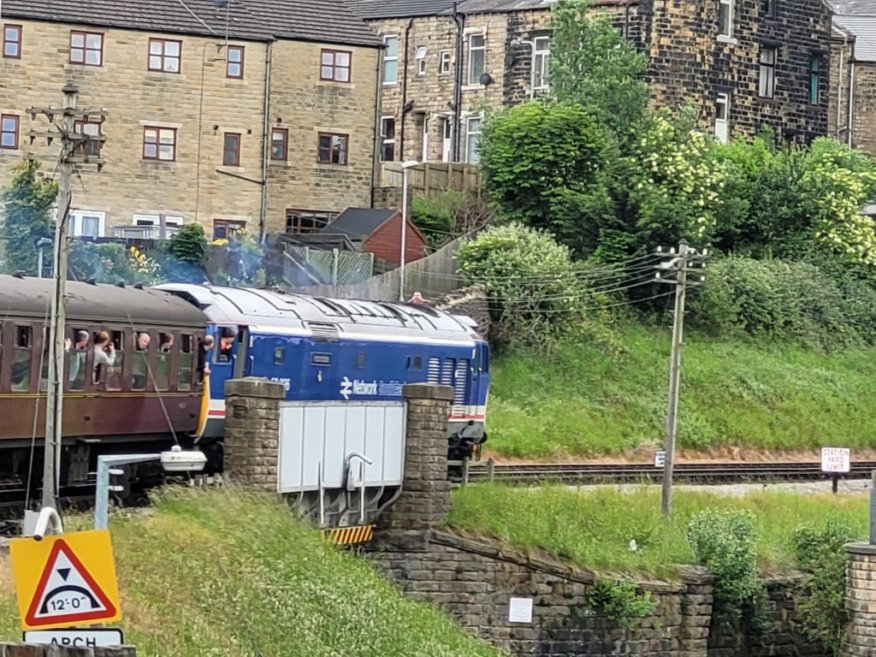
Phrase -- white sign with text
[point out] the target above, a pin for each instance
(836, 459)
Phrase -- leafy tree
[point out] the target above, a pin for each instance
(189, 245)
(593, 66)
(539, 158)
(111, 263)
(27, 206)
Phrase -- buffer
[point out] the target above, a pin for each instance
(67, 593)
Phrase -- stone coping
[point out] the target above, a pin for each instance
(861, 548)
(427, 391)
(546, 563)
(254, 386)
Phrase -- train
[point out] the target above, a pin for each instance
(162, 384)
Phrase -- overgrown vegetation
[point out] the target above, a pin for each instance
(620, 600)
(445, 216)
(735, 393)
(594, 527)
(820, 552)
(224, 572)
(725, 540)
(27, 203)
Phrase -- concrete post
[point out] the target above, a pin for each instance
(861, 600)
(252, 432)
(425, 497)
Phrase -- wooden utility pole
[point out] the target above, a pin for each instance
(74, 150)
(679, 264)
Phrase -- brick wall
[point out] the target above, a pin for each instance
(252, 431)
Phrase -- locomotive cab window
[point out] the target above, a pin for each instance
(21, 354)
(225, 350)
(186, 367)
(415, 362)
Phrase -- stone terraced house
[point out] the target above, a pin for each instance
(852, 113)
(256, 114)
(744, 64)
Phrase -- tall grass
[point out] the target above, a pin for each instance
(581, 401)
(232, 574)
(594, 527)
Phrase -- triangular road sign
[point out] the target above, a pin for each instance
(67, 593)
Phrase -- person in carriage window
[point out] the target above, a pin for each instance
(226, 343)
(204, 357)
(77, 361)
(104, 354)
(140, 366)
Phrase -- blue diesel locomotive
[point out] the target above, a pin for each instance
(323, 349)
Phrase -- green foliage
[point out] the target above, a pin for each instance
(737, 394)
(620, 600)
(531, 281)
(111, 263)
(435, 216)
(782, 300)
(189, 245)
(724, 540)
(239, 261)
(592, 526)
(538, 158)
(595, 67)
(27, 204)
(198, 582)
(820, 552)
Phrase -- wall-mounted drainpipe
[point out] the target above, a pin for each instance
(459, 19)
(851, 100)
(404, 103)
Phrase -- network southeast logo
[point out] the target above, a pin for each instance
(360, 388)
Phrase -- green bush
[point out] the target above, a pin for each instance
(533, 285)
(820, 552)
(27, 204)
(620, 600)
(725, 540)
(782, 300)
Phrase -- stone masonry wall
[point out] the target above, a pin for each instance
(252, 430)
(474, 580)
(34, 650)
(861, 600)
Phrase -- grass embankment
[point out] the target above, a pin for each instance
(581, 401)
(594, 527)
(223, 573)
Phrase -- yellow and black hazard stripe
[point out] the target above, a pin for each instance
(349, 535)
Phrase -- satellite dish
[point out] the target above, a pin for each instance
(485, 79)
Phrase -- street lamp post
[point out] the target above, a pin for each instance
(404, 227)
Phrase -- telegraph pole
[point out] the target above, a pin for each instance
(680, 264)
(74, 151)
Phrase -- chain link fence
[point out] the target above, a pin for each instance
(333, 267)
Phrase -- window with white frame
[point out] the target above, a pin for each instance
(444, 62)
(477, 52)
(472, 137)
(767, 77)
(85, 223)
(725, 18)
(541, 57)
(390, 59)
(421, 60)
(722, 118)
(171, 221)
(387, 138)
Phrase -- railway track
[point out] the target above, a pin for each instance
(692, 473)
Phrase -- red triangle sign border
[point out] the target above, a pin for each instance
(109, 608)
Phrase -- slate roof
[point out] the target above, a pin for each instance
(854, 7)
(500, 6)
(372, 9)
(864, 30)
(326, 21)
(359, 223)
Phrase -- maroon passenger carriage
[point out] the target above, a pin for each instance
(139, 404)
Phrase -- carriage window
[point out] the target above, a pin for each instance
(186, 366)
(140, 360)
(77, 355)
(21, 358)
(114, 373)
(279, 355)
(162, 361)
(415, 362)
(360, 360)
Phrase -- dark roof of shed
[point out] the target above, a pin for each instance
(30, 297)
(328, 21)
(359, 222)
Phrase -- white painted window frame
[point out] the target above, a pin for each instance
(76, 220)
(388, 58)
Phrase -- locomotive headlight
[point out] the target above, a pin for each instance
(176, 460)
